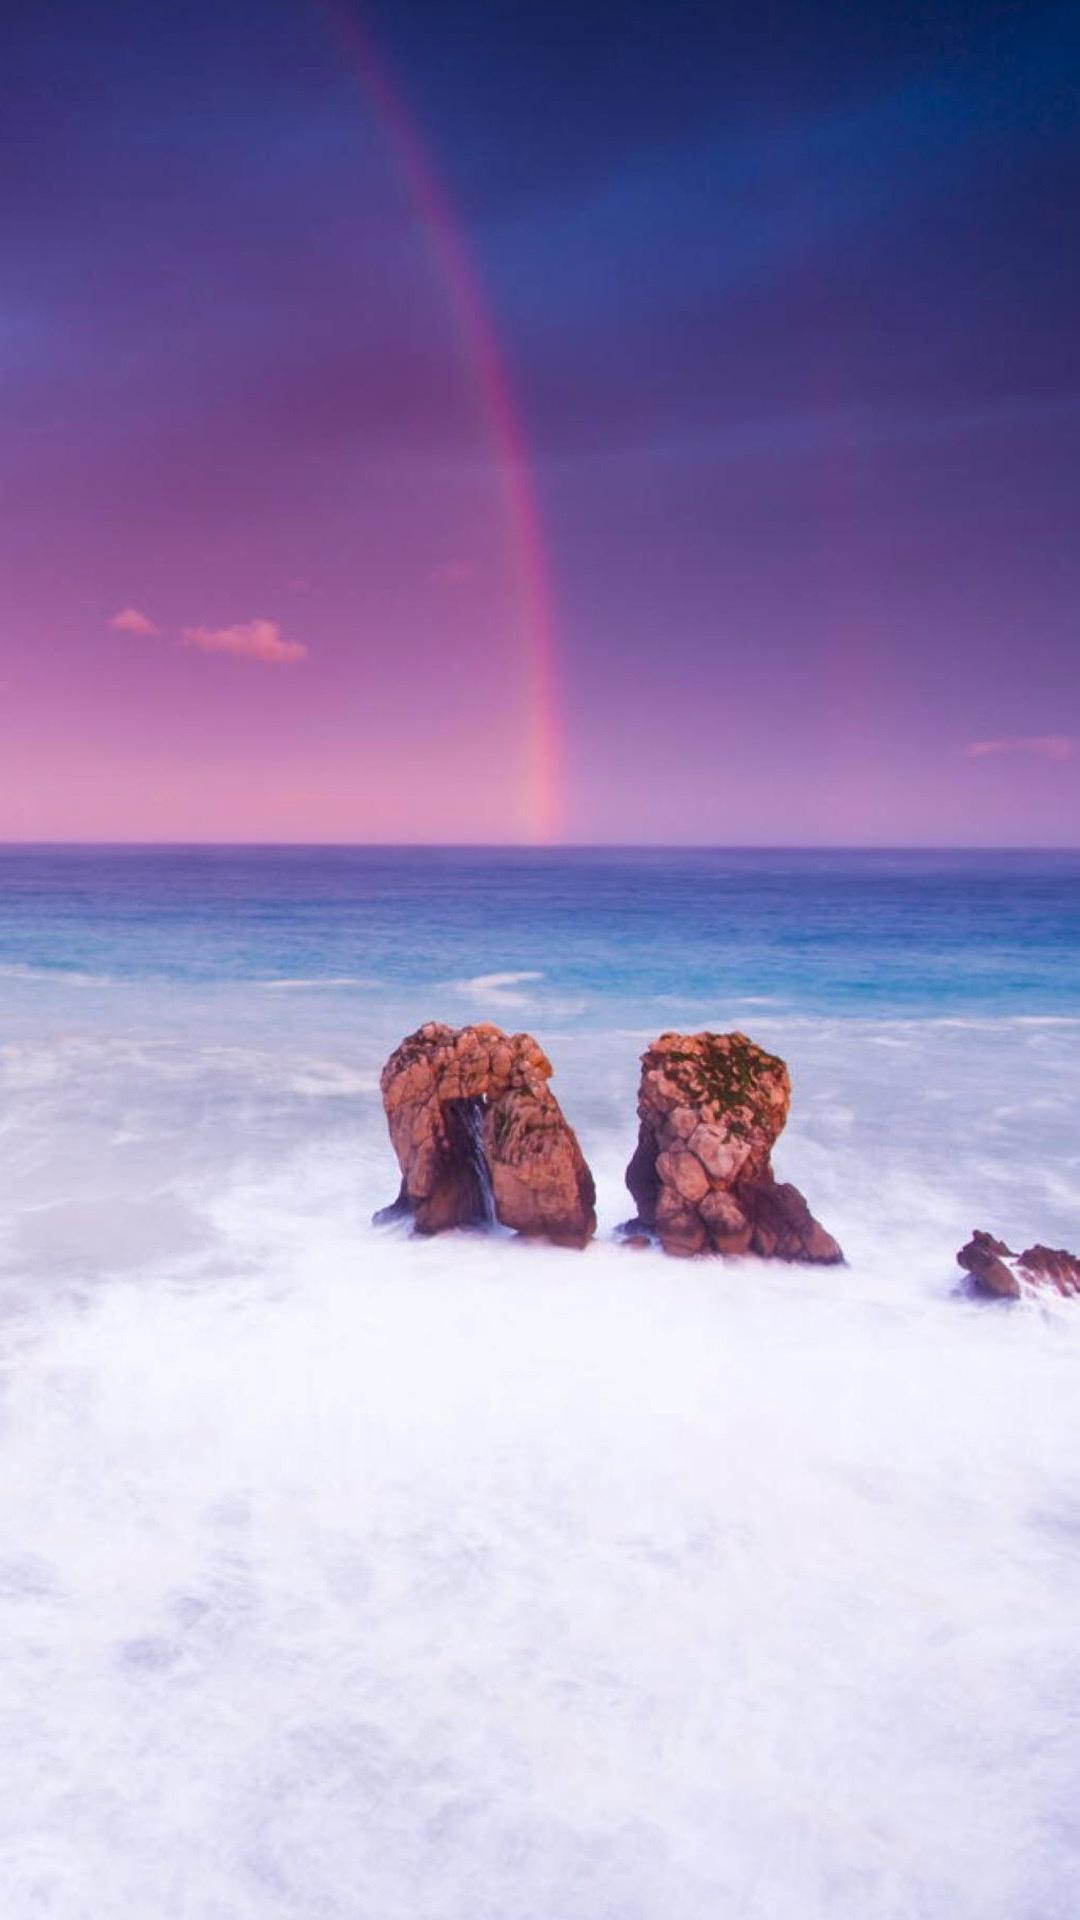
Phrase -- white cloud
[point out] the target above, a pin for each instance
(1042, 746)
(130, 620)
(251, 640)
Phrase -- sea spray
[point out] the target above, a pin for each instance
(346, 1573)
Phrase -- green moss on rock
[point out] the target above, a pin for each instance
(725, 1073)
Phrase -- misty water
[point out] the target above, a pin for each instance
(347, 1576)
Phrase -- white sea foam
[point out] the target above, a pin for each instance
(302, 981)
(53, 976)
(349, 1575)
(497, 989)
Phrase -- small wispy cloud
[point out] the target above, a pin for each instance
(251, 640)
(1041, 746)
(130, 620)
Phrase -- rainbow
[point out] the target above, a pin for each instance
(500, 418)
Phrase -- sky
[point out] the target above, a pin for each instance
(444, 421)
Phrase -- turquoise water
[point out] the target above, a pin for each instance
(843, 931)
(347, 1575)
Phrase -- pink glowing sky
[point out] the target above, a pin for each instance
(506, 441)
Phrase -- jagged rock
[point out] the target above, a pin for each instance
(1004, 1275)
(984, 1259)
(711, 1108)
(479, 1135)
(1051, 1267)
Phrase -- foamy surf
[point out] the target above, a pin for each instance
(347, 1574)
(369, 1569)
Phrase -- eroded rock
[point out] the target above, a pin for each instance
(480, 1136)
(1001, 1274)
(711, 1107)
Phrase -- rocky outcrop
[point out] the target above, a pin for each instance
(984, 1258)
(480, 1136)
(1001, 1274)
(711, 1108)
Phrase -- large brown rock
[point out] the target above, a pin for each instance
(711, 1108)
(1001, 1274)
(480, 1136)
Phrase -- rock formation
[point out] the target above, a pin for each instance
(1004, 1275)
(711, 1107)
(480, 1136)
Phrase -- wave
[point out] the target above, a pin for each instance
(55, 976)
(302, 981)
(497, 988)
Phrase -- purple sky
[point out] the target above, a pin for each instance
(783, 302)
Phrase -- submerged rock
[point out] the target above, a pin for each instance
(711, 1108)
(1001, 1274)
(480, 1136)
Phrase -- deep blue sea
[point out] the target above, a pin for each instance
(354, 1576)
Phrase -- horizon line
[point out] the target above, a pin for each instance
(539, 849)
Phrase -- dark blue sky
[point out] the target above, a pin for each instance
(790, 298)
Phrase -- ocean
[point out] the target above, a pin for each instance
(349, 1576)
